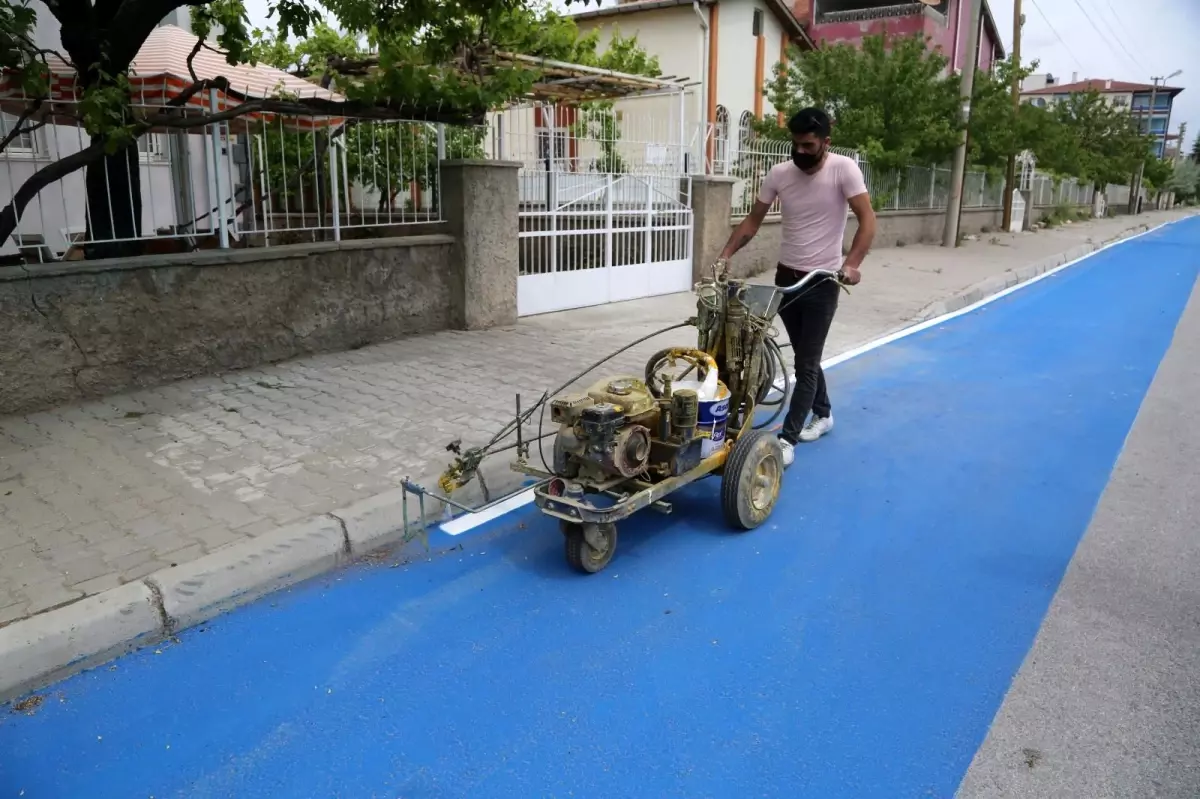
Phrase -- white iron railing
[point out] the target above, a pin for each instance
(912, 188)
(258, 181)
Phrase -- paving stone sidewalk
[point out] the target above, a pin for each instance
(98, 494)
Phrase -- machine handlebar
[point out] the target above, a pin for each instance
(808, 278)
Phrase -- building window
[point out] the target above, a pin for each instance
(1121, 101)
(560, 136)
(1039, 102)
(721, 139)
(151, 147)
(553, 137)
(745, 130)
(25, 142)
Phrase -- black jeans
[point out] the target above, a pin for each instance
(806, 316)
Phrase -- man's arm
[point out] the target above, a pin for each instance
(746, 229)
(861, 206)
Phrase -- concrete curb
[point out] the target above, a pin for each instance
(43, 649)
(999, 283)
(50, 646)
(194, 592)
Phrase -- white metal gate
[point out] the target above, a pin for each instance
(605, 199)
(594, 238)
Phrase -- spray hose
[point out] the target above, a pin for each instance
(466, 463)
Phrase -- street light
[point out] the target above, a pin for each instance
(1136, 188)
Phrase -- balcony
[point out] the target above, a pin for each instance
(832, 11)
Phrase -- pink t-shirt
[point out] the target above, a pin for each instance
(813, 218)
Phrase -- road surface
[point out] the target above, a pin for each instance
(870, 641)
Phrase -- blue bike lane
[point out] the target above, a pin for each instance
(857, 645)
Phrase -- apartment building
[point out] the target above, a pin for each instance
(1044, 90)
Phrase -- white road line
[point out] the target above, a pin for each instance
(469, 521)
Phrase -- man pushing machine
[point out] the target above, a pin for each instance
(813, 190)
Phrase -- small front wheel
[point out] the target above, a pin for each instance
(752, 478)
(590, 546)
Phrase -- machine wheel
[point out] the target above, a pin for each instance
(590, 547)
(751, 480)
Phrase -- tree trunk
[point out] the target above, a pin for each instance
(114, 203)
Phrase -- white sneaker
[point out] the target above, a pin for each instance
(789, 452)
(817, 426)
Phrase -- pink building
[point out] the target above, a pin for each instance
(833, 21)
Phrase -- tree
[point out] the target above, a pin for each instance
(1185, 180)
(596, 119)
(1157, 174)
(432, 60)
(891, 100)
(390, 157)
(1088, 138)
(1196, 150)
(998, 130)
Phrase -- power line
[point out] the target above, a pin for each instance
(1117, 36)
(1050, 25)
(1121, 22)
(1095, 27)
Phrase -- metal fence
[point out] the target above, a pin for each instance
(254, 181)
(569, 150)
(912, 188)
(605, 200)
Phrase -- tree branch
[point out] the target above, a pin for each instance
(21, 120)
(41, 179)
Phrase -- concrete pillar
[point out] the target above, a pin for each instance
(712, 205)
(1028, 220)
(480, 202)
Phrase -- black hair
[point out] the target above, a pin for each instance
(810, 120)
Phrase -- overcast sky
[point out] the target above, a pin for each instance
(1158, 35)
(1130, 40)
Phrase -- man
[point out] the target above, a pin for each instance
(813, 189)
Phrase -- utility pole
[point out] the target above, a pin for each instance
(967, 91)
(1010, 176)
(1136, 190)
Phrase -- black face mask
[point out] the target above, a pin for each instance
(807, 160)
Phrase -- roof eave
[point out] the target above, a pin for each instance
(990, 22)
(794, 26)
(782, 12)
(634, 8)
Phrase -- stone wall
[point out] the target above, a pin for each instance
(893, 228)
(712, 202)
(84, 329)
(89, 329)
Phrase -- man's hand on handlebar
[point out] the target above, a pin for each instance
(849, 275)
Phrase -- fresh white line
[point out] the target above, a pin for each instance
(469, 521)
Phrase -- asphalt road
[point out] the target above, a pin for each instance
(863, 643)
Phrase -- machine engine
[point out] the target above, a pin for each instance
(618, 429)
(605, 432)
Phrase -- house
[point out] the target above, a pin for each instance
(184, 178)
(728, 48)
(1122, 94)
(940, 21)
